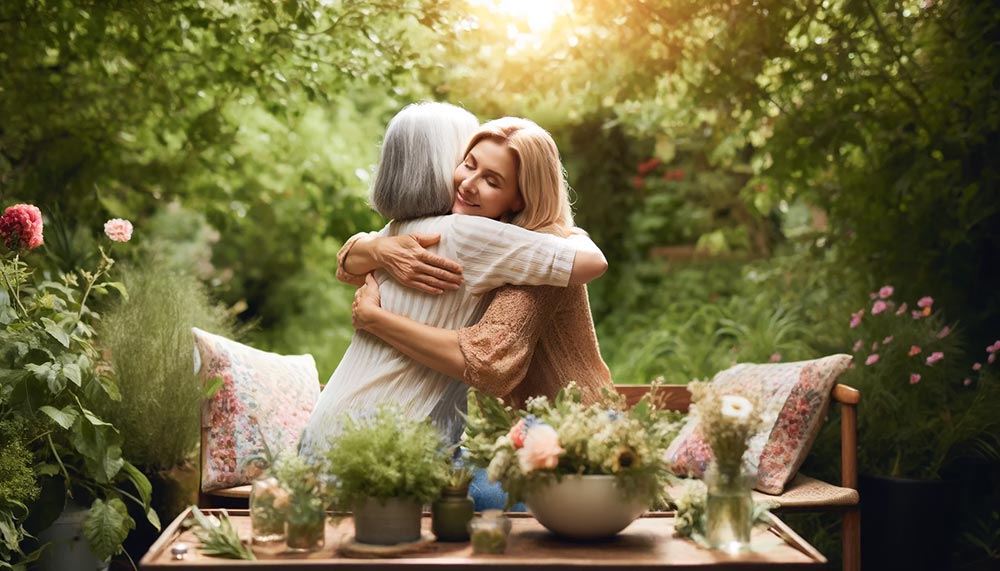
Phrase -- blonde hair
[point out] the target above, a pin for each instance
(541, 179)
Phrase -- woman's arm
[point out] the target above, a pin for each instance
(404, 257)
(493, 355)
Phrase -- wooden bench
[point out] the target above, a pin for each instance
(802, 493)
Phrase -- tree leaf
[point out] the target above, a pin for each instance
(118, 286)
(56, 332)
(72, 372)
(64, 418)
(106, 527)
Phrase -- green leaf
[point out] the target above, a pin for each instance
(64, 418)
(140, 481)
(106, 527)
(72, 373)
(57, 333)
(119, 287)
(110, 387)
(153, 519)
(100, 446)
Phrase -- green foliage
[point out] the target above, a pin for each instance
(17, 479)
(923, 405)
(307, 488)
(148, 344)
(106, 527)
(218, 537)
(385, 455)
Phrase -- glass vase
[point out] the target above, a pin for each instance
(305, 528)
(729, 507)
(268, 501)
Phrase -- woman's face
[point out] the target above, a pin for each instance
(486, 182)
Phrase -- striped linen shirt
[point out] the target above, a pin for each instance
(372, 372)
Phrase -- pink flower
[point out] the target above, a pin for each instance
(875, 346)
(21, 227)
(885, 292)
(857, 346)
(914, 378)
(902, 309)
(878, 307)
(887, 340)
(856, 318)
(517, 433)
(993, 348)
(944, 332)
(977, 366)
(872, 359)
(118, 230)
(925, 301)
(541, 449)
(935, 357)
(917, 314)
(991, 358)
(775, 357)
(873, 296)
(967, 381)
(914, 350)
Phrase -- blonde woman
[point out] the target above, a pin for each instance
(415, 178)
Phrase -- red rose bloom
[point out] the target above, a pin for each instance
(21, 227)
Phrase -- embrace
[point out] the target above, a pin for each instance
(478, 280)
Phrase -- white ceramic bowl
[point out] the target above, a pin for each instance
(584, 507)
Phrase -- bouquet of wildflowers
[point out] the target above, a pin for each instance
(727, 421)
(549, 440)
(924, 401)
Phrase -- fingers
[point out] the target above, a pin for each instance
(426, 239)
(448, 270)
(370, 280)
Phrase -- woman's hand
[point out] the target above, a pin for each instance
(367, 304)
(409, 263)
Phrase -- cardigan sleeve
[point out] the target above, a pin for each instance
(345, 250)
(499, 349)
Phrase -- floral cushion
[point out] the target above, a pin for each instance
(794, 398)
(263, 397)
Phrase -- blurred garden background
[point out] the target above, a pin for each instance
(754, 171)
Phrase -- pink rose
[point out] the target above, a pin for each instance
(977, 366)
(516, 434)
(902, 309)
(872, 359)
(967, 381)
(118, 230)
(945, 331)
(914, 378)
(856, 318)
(887, 340)
(21, 227)
(917, 314)
(541, 449)
(991, 358)
(885, 292)
(925, 301)
(935, 357)
(878, 307)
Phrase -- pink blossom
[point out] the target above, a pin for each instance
(945, 331)
(878, 307)
(856, 318)
(914, 350)
(118, 229)
(775, 357)
(902, 309)
(991, 358)
(517, 433)
(875, 346)
(21, 227)
(914, 378)
(541, 449)
(885, 292)
(857, 346)
(873, 296)
(925, 301)
(917, 314)
(935, 357)
(977, 366)
(994, 347)
(872, 359)
(967, 381)
(887, 340)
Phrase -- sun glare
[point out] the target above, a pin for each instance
(539, 15)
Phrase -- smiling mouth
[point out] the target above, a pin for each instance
(458, 196)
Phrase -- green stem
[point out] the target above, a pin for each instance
(14, 292)
(59, 460)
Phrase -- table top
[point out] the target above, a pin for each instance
(648, 543)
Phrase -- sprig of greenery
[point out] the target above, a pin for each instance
(218, 537)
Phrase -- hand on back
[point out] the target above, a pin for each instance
(408, 261)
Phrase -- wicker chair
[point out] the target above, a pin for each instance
(802, 493)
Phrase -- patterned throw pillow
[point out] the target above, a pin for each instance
(795, 396)
(262, 395)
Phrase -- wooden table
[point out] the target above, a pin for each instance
(648, 543)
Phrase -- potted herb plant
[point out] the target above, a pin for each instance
(584, 471)
(51, 381)
(926, 404)
(387, 468)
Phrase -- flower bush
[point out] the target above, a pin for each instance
(549, 440)
(925, 402)
(51, 380)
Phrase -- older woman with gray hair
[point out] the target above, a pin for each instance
(414, 185)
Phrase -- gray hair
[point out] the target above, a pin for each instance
(422, 146)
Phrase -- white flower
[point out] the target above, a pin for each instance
(737, 407)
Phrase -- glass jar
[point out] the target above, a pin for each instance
(451, 514)
(729, 507)
(489, 533)
(268, 502)
(305, 526)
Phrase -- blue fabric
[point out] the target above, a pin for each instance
(488, 495)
